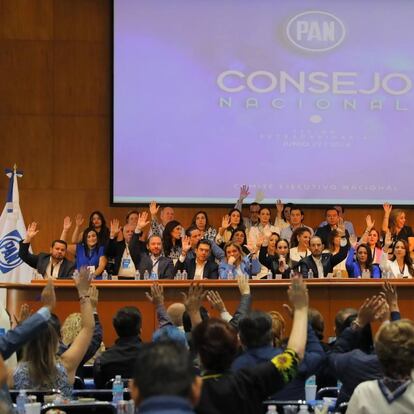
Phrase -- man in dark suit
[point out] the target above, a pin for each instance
(53, 264)
(321, 263)
(153, 261)
(334, 222)
(198, 267)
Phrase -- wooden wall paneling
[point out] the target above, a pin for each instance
(26, 141)
(82, 78)
(87, 20)
(26, 70)
(81, 153)
(26, 19)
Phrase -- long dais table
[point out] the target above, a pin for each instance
(326, 295)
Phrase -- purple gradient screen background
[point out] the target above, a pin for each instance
(173, 142)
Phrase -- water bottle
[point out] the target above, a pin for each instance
(117, 390)
(292, 274)
(303, 409)
(137, 275)
(146, 275)
(75, 273)
(21, 400)
(310, 274)
(184, 275)
(154, 275)
(270, 277)
(230, 275)
(178, 275)
(271, 409)
(104, 275)
(310, 389)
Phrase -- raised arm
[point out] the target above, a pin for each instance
(369, 226)
(244, 193)
(156, 297)
(385, 221)
(67, 224)
(298, 297)
(77, 234)
(192, 303)
(74, 355)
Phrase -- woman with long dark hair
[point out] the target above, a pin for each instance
(229, 224)
(299, 244)
(400, 264)
(88, 252)
(359, 263)
(171, 239)
(200, 220)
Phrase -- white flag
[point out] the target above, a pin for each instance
(12, 230)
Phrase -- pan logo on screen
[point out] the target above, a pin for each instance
(315, 31)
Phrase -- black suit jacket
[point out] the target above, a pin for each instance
(165, 266)
(40, 262)
(210, 270)
(329, 261)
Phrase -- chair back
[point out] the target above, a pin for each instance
(79, 384)
(342, 408)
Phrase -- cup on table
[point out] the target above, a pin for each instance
(310, 392)
(33, 408)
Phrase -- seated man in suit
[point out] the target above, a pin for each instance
(321, 263)
(198, 267)
(194, 234)
(53, 264)
(153, 261)
(334, 222)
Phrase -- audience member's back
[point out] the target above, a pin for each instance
(256, 337)
(120, 358)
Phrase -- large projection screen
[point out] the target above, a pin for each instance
(307, 101)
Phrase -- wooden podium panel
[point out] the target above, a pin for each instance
(326, 295)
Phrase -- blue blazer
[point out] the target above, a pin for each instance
(248, 266)
(354, 269)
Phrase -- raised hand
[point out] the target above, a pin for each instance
(79, 220)
(370, 222)
(31, 231)
(243, 284)
(24, 313)
(185, 244)
(279, 207)
(67, 223)
(225, 222)
(157, 294)
(387, 208)
(391, 296)
(83, 281)
(384, 313)
(368, 311)
(353, 241)
(48, 296)
(387, 240)
(114, 228)
(153, 208)
(216, 301)
(194, 298)
(298, 294)
(142, 221)
(341, 227)
(244, 192)
(94, 296)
